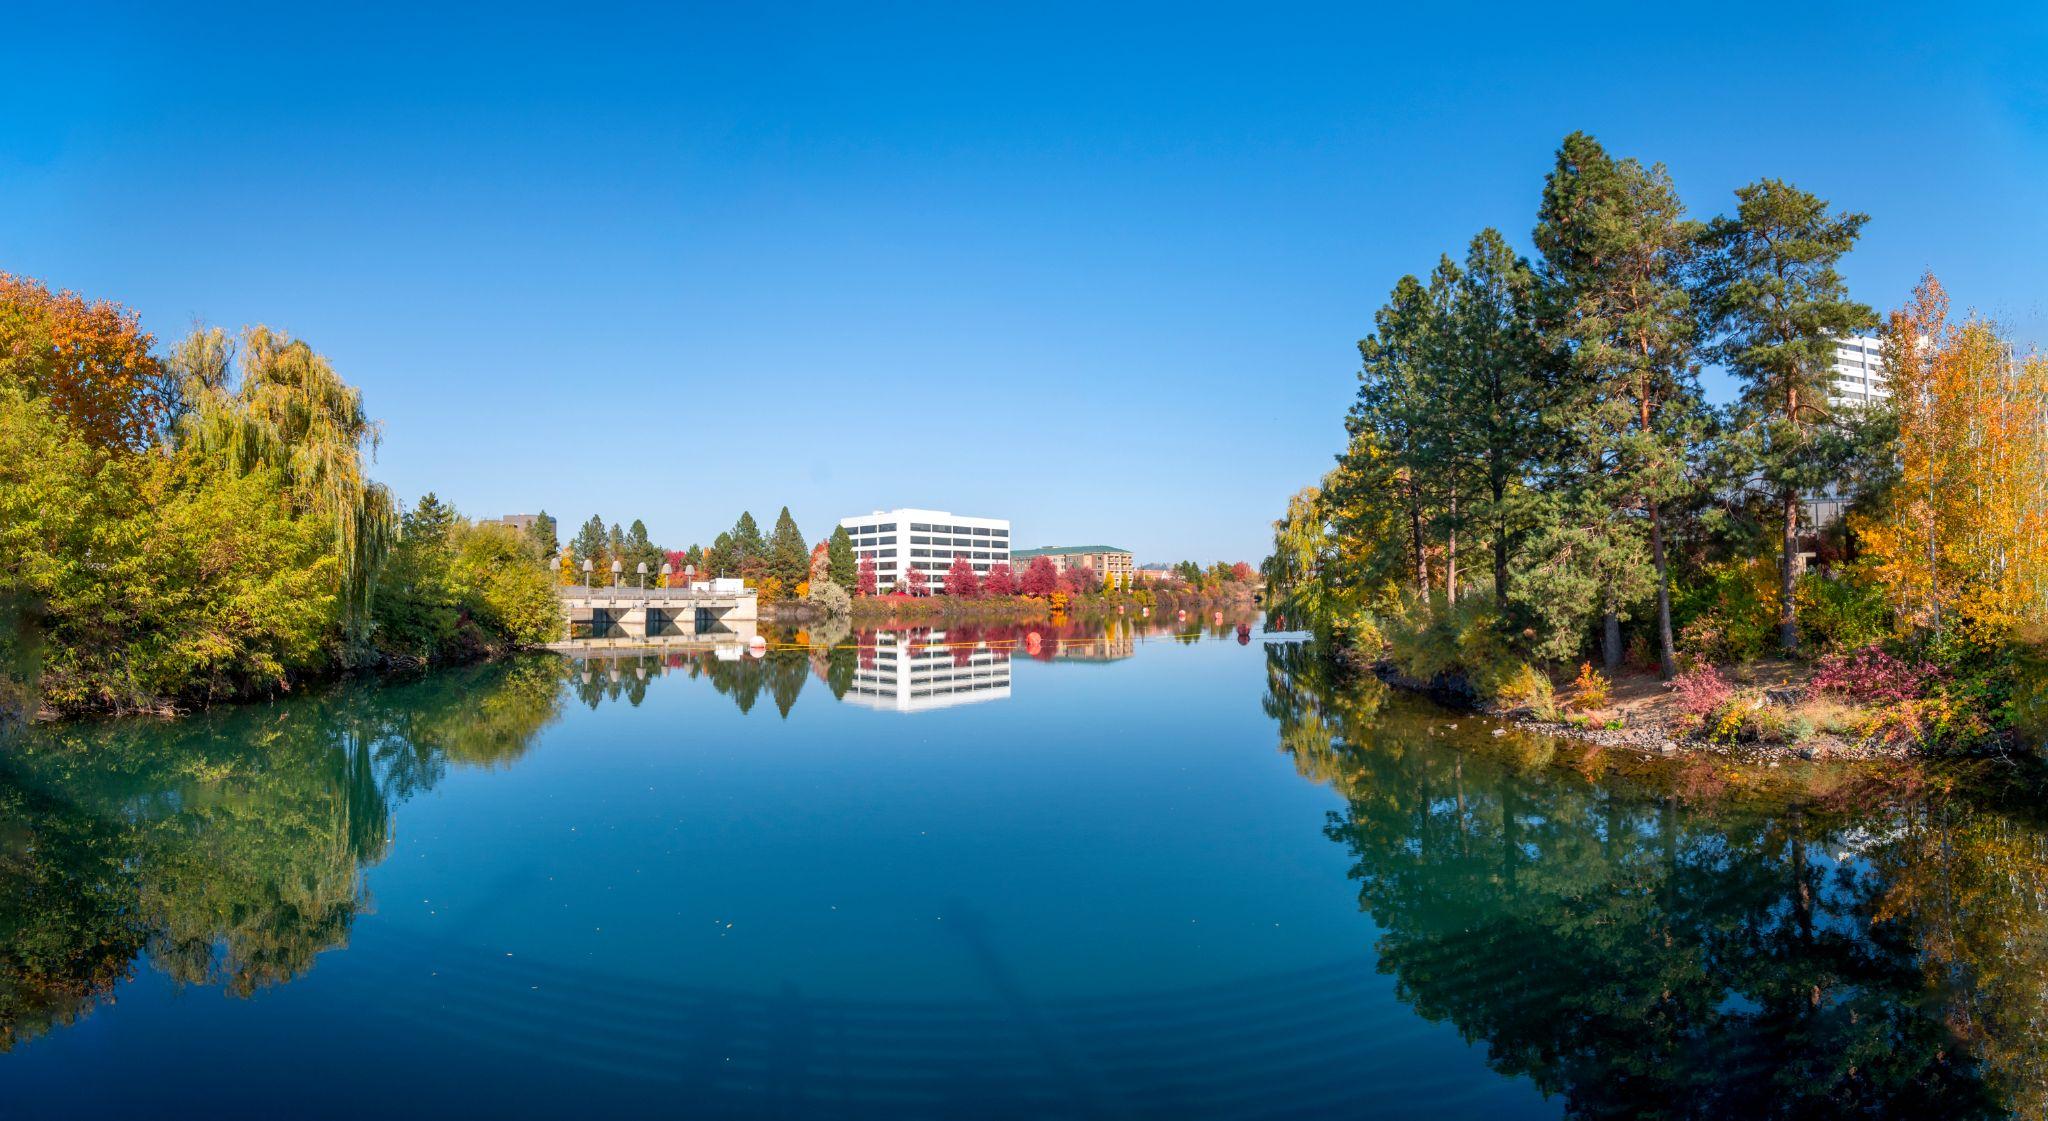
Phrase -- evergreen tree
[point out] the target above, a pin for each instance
(1616, 249)
(788, 559)
(841, 565)
(1774, 296)
(1499, 393)
(640, 550)
(589, 542)
(615, 553)
(429, 522)
(744, 551)
(1399, 406)
(544, 535)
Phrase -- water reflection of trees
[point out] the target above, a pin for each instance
(1640, 948)
(230, 846)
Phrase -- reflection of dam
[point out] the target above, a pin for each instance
(726, 638)
(915, 677)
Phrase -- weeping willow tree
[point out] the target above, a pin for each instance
(289, 411)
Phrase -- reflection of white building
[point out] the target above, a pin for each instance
(927, 540)
(935, 676)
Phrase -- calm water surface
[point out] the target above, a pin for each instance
(973, 874)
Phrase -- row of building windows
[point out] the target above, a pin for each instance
(949, 553)
(967, 541)
(977, 531)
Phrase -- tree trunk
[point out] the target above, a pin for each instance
(1451, 556)
(1788, 579)
(1667, 652)
(1415, 538)
(1610, 639)
(1500, 547)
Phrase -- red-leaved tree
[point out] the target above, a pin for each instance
(864, 577)
(1040, 578)
(914, 583)
(1243, 573)
(960, 580)
(999, 582)
(1080, 581)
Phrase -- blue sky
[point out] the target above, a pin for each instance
(1097, 269)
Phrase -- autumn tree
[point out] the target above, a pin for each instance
(1961, 542)
(90, 359)
(1773, 293)
(864, 580)
(1040, 578)
(1616, 249)
(914, 582)
(999, 581)
(960, 579)
(1079, 580)
(819, 570)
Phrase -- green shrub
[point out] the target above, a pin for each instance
(1731, 614)
(1843, 612)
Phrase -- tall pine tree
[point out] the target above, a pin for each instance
(841, 565)
(1616, 248)
(544, 535)
(789, 559)
(1777, 303)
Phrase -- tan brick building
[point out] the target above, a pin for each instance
(1106, 560)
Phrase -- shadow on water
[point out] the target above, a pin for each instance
(228, 847)
(1666, 940)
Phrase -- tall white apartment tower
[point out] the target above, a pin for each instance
(928, 541)
(1857, 380)
(1858, 372)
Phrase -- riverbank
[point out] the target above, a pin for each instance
(1763, 713)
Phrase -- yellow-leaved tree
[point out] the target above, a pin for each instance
(1961, 546)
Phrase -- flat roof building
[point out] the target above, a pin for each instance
(927, 541)
(1856, 379)
(1858, 372)
(1106, 560)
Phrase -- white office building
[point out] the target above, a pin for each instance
(893, 676)
(1857, 380)
(928, 541)
(1858, 372)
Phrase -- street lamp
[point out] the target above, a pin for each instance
(643, 576)
(668, 572)
(586, 572)
(617, 568)
(689, 575)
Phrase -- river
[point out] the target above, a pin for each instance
(1095, 870)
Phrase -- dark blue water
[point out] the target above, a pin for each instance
(1144, 875)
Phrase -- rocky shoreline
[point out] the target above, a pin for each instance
(1651, 739)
